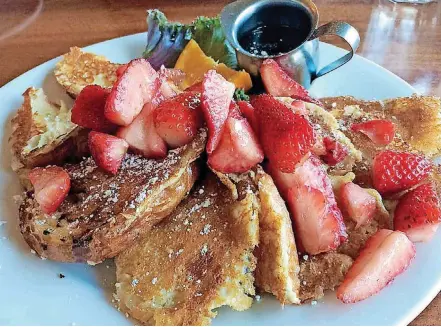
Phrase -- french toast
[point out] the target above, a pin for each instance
(105, 214)
(43, 134)
(417, 121)
(277, 260)
(197, 259)
(78, 69)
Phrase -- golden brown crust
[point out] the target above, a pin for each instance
(28, 123)
(78, 69)
(104, 214)
(196, 260)
(277, 260)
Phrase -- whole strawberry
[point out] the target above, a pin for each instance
(398, 171)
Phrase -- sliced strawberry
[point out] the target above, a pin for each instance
(238, 150)
(380, 131)
(172, 75)
(397, 171)
(248, 112)
(286, 137)
(51, 186)
(385, 255)
(418, 213)
(217, 94)
(108, 151)
(135, 87)
(317, 219)
(335, 152)
(177, 120)
(279, 84)
(141, 135)
(164, 87)
(358, 203)
(88, 109)
(120, 70)
(299, 107)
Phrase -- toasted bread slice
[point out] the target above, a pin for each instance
(43, 134)
(197, 259)
(78, 69)
(277, 260)
(104, 214)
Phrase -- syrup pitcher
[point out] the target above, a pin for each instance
(286, 31)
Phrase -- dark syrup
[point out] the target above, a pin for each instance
(275, 30)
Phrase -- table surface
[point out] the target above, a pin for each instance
(406, 39)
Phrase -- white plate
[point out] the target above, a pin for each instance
(31, 292)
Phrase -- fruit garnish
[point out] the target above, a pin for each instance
(51, 186)
(386, 255)
(136, 86)
(107, 151)
(195, 64)
(241, 79)
(394, 171)
(195, 88)
(249, 113)
(177, 120)
(358, 203)
(279, 84)
(418, 213)
(141, 135)
(88, 109)
(308, 191)
(335, 151)
(238, 149)
(380, 131)
(286, 137)
(217, 94)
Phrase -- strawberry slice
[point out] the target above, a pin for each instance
(238, 150)
(51, 186)
(217, 94)
(177, 120)
(141, 135)
(386, 255)
(172, 75)
(108, 151)
(418, 213)
(397, 171)
(88, 109)
(278, 83)
(135, 87)
(164, 88)
(335, 151)
(249, 113)
(299, 107)
(317, 219)
(120, 70)
(380, 131)
(358, 203)
(286, 137)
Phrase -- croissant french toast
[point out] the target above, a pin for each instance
(43, 134)
(105, 214)
(197, 259)
(78, 69)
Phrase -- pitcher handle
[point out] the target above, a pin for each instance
(346, 32)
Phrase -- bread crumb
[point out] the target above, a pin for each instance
(154, 280)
